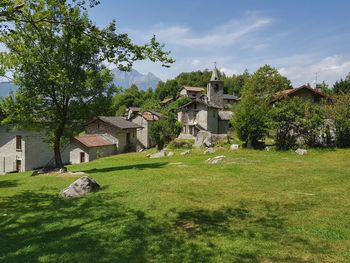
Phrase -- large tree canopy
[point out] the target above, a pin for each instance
(56, 56)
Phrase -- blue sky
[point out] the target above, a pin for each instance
(297, 37)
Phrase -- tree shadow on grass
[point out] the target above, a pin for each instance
(98, 228)
(8, 183)
(141, 166)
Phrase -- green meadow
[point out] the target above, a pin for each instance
(257, 206)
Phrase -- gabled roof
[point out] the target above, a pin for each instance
(118, 122)
(194, 89)
(225, 115)
(151, 115)
(93, 140)
(166, 100)
(206, 103)
(285, 93)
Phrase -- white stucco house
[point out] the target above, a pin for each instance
(23, 150)
(206, 112)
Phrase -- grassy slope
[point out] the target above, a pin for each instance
(257, 207)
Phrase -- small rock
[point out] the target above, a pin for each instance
(159, 154)
(234, 147)
(216, 160)
(301, 151)
(169, 154)
(267, 148)
(186, 152)
(80, 187)
(208, 142)
(209, 150)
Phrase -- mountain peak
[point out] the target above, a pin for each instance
(143, 81)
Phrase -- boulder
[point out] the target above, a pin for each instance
(216, 160)
(301, 151)
(186, 152)
(209, 150)
(80, 187)
(159, 154)
(234, 147)
(208, 142)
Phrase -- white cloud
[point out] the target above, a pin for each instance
(224, 35)
(328, 69)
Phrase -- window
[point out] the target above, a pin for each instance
(18, 142)
(216, 87)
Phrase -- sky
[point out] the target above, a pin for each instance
(299, 38)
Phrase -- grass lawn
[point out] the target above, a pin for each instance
(256, 207)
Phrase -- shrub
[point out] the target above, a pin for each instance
(181, 143)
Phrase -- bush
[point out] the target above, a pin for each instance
(181, 143)
(339, 113)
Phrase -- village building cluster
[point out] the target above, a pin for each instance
(208, 112)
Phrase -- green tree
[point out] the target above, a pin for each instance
(235, 84)
(265, 82)
(341, 87)
(250, 120)
(57, 55)
(339, 113)
(167, 128)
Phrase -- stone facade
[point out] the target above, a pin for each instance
(124, 139)
(204, 113)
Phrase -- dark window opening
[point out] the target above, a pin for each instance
(82, 157)
(18, 166)
(216, 87)
(18, 142)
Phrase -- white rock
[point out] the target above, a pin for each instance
(234, 147)
(301, 151)
(209, 150)
(80, 187)
(159, 154)
(186, 152)
(169, 154)
(216, 160)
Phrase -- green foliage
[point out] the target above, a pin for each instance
(341, 87)
(57, 55)
(295, 118)
(339, 113)
(181, 143)
(235, 84)
(167, 128)
(250, 120)
(265, 82)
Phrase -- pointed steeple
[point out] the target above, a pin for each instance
(215, 76)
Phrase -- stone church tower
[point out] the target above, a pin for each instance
(215, 89)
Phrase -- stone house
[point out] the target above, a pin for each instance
(144, 119)
(121, 131)
(206, 112)
(305, 92)
(85, 148)
(191, 92)
(23, 150)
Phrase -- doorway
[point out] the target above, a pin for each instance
(18, 166)
(82, 157)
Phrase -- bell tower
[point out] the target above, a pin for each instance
(215, 88)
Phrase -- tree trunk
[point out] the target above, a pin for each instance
(57, 145)
(249, 142)
(57, 152)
